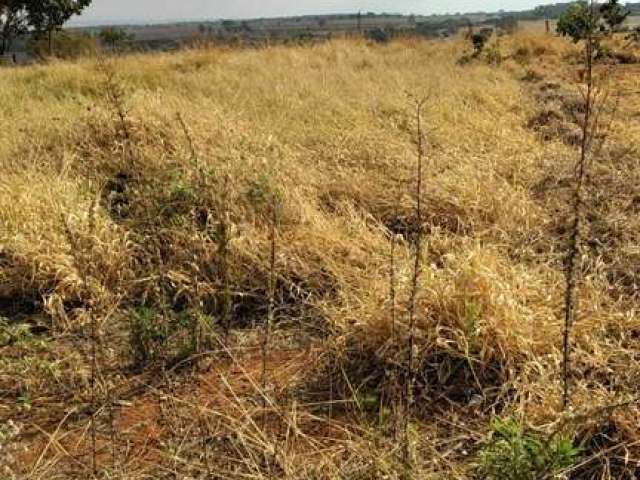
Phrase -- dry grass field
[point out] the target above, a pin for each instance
(161, 214)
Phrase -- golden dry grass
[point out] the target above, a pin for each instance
(329, 131)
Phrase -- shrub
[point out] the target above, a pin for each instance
(66, 45)
(167, 336)
(582, 20)
(492, 55)
(508, 24)
(513, 454)
(378, 35)
(116, 38)
(634, 35)
(614, 14)
(13, 334)
(479, 41)
(148, 335)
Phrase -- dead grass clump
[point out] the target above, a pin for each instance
(16, 298)
(558, 115)
(39, 266)
(441, 212)
(475, 330)
(532, 75)
(610, 447)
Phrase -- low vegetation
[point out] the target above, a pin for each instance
(351, 260)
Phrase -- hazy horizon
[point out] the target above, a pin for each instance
(151, 11)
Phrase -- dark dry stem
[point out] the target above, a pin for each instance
(195, 160)
(409, 384)
(76, 251)
(115, 95)
(223, 238)
(271, 311)
(392, 285)
(576, 225)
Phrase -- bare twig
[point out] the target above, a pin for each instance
(588, 133)
(417, 268)
(271, 307)
(77, 250)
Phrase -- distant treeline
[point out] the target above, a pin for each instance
(554, 11)
(286, 29)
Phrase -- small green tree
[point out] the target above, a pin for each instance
(13, 22)
(67, 44)
(584, 19)
(614, 14)
(48, 16)
(581, 21)
(42, 17)
(115, 38)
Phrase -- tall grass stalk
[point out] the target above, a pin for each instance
(393, 314)
(571, 272)
(271, 309)
(392, 302)
(415, 281)
(115, 95)
(392, 284)
(195, 158)
(203, 183)
(223, 237)
(78, 251)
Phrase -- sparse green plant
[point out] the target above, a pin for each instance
(148, 335)
(513, 453)
(182, 192)
(14, 333)
(492, 54)
(264, 196)
(191, 329)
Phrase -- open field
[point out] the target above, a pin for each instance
(158, 212)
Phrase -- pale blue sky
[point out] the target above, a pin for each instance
(160, 10)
